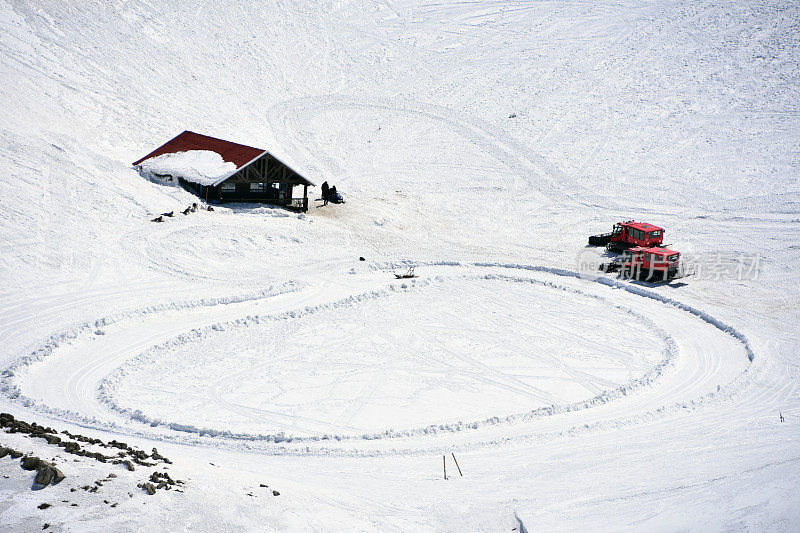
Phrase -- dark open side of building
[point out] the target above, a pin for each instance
(259, 176)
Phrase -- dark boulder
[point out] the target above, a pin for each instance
(45, 475)
(31, 463)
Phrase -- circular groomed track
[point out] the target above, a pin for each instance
(466, 354)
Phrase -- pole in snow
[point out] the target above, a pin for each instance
(780, 415)
(444, 466)
(456, 462)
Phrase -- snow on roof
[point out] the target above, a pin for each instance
(199, 166)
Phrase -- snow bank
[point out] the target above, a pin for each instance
(198, 166)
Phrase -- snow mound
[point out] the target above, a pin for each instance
(198, 166)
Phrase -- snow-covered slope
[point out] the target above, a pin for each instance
(481, 141)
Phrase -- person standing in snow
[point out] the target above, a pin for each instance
(325, 193)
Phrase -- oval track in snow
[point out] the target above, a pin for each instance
(708, 358)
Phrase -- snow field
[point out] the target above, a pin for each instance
(472, 139)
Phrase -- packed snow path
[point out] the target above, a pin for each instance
(571, 353)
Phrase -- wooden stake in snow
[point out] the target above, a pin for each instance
(444, 465)
(456, 462)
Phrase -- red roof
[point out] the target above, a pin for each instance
(238, 154)
(644, 226)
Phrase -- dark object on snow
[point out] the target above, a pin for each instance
(334, 196)
(408, 274)
(276, 493)
(209, 208)
(158, 219)
(30, 463)
(325, 190)
(170, 214)
(194, 207)
(149, 488)
(187, 210)
(361, 259)
(512, 115)
(329, 194)
(44, 476)
(48, 474)
(44, 506)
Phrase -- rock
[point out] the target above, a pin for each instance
(112, 475)
(31, 463)
(150, 488)
(58, 476)
(45, 526)
(15, 454)
(263, 486)
(276, 493)
(45, 475)
(51, 439)
(4, 451)
(44, 506)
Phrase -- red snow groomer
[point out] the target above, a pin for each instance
(646, 264)
(627, 235)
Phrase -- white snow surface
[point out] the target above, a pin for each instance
(197, 166)
(482, 142)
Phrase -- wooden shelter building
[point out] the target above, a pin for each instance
(259, 176)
